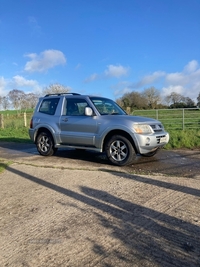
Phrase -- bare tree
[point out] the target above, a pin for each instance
(30, 100)
(56, 88)
(176, 98)
(16, 97)
(119, 102)
(153, 97)
(5, 102)
(167, 100)
(33, 99)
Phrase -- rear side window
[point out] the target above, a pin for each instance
(48, 106)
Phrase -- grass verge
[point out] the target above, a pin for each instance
(19, 135)
(4, 165)
(180, 139)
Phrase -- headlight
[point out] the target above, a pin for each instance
(142, 129)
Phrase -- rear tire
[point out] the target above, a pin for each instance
(120, 151)
(45, 144)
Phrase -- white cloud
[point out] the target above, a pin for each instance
(116, 71)
(173, 88)
(185, 82)
(119, 92)
(78, 66)
(92, 78)
(20, 81)
(149, 79)
(112, 71)
(121, 88)
(191, 66)
(44, 61)
(176, 78)
(35, 28)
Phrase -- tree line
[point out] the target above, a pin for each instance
(19, 100)
(149, 98)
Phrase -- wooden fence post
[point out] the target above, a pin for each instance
(128, 110)
(1, 121)
(156, 114)
(25, 122)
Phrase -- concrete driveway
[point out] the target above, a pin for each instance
(74, 209)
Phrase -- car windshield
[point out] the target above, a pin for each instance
(107, 106)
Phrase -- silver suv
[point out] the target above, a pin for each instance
(94, 123)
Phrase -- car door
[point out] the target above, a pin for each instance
(75, 127)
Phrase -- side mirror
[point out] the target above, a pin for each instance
(88, 111)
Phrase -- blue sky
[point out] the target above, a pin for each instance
(101, 47)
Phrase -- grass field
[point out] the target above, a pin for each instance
(174, 119)
(15, 126)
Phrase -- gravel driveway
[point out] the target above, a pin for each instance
(89, 213)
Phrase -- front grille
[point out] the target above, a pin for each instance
(157, 127)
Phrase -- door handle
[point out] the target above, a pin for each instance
(65, 119)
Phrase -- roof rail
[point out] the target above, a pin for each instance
(62, 94)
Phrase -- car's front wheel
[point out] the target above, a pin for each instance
(44, 144)
(120, 151)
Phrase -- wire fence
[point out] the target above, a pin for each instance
(175, 119)
(15, 121)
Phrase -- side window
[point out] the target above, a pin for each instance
(48, 106)
(76, 107)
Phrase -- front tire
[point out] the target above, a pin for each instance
(120, 151)
(45, 144)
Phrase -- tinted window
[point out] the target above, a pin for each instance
(48, 106)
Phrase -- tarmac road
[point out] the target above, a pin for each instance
(181, 163)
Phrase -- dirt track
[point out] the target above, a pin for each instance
(96, 215)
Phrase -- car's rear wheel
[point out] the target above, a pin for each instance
(45, 145)
(120, 151)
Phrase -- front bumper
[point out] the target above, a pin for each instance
(148, 143)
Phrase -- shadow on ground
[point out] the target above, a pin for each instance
(145, 235)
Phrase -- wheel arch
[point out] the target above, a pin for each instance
(44, 129)
(119, 132)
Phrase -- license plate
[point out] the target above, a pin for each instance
(163, 139)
